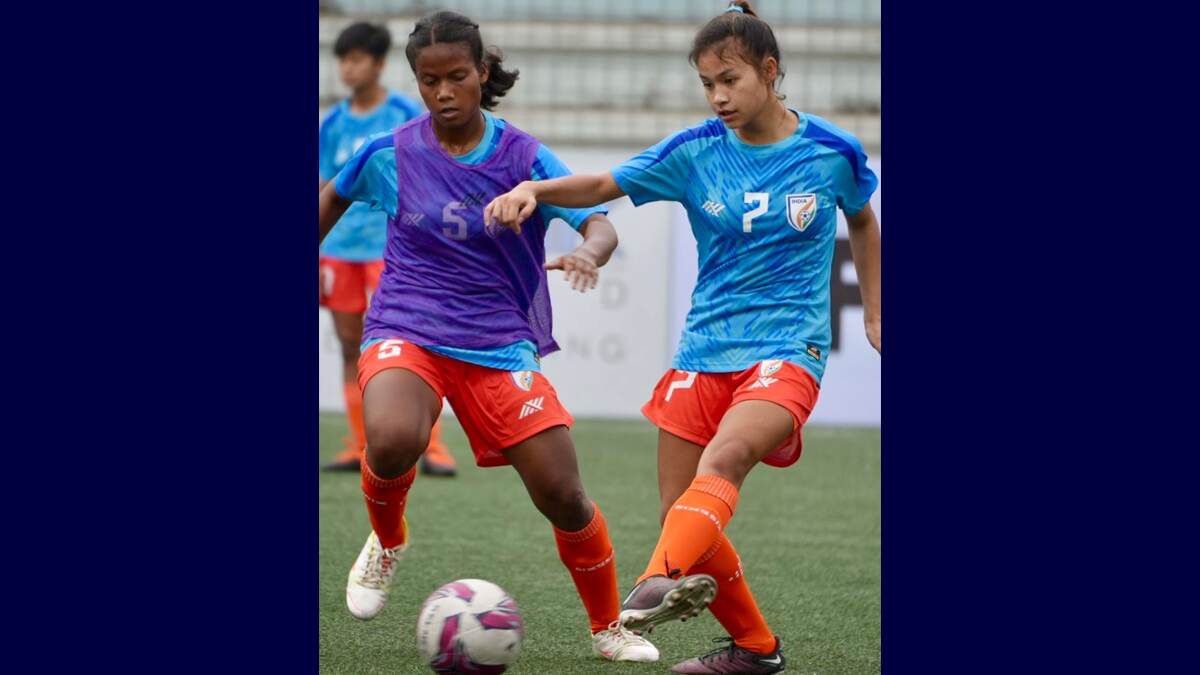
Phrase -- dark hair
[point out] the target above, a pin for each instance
(752, 37)
(449, 26)
(370, 38)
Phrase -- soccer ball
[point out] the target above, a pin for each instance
(470, 626)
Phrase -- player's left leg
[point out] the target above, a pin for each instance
(548, 467)
(516, 418)
(753, 647)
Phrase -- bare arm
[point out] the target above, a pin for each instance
(865, 246)
(330, 207)
(580, 191)
(599, 238)
(582, 266)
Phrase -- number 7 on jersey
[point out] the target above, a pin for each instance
(763, 200)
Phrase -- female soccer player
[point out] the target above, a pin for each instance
(463, 311)
(761, 184)
(352, 255)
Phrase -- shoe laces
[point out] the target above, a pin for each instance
(381, 562)
(727, 648)
(625, 635)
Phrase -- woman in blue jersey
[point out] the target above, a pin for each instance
(352, 255)
(761, 184)
(462, 312)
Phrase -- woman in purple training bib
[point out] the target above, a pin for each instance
(462, 312)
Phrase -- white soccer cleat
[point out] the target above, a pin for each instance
(367, 587)
(618, 644)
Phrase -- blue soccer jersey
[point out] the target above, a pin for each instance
(360, 234)
(765, 220)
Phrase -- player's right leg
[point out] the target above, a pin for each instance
(343, 292)
(678, 407)
(695, 523)
(402, 396)
(753, 647)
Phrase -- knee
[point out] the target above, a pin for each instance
(394, 448)
(730, 458)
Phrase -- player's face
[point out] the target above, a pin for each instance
(737, 91)
(450, 83)
(359, 69)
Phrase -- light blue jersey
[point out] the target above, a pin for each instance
(359, 235)
(371, 178)
(765, 220)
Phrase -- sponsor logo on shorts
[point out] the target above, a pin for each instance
(770, 367)
(763, 383)
(531, 406)
(523, 379)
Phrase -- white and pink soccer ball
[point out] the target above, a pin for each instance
(470, 626)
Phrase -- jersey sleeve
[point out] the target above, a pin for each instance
(406, 105)
(855, 182)
(547, 165)
(370, 175)
(325, 151)
(660, 172)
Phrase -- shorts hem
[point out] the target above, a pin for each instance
(495, 456)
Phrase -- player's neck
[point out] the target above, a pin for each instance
(771, 126)
(461, 140)
(368, 98)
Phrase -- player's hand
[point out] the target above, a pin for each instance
(580, 267)
(511, 209)
(875, 332)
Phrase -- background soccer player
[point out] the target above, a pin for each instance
(352, 254)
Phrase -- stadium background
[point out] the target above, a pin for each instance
(599, 82)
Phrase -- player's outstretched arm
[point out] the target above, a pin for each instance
(511, 209)
(330, 207)
(866, 249)
(582, 266)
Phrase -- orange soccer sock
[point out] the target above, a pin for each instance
(734, 605)
(695, 521)
(588, 556)
(437, 450)
(386, 500)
